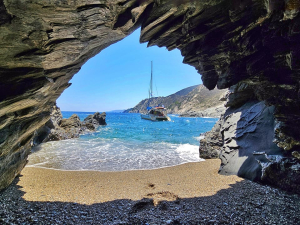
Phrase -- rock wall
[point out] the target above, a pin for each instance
(245, 140)
(45, 42)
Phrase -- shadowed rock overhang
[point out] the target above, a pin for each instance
(250, 43)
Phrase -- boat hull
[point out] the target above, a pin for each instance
(155, 118)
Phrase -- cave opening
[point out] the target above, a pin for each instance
(251, 48)
(113, 81)
(118, 77)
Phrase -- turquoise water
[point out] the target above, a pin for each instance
(126, 143)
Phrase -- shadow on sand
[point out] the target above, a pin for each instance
(244, 202)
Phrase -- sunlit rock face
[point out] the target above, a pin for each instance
(44, 43)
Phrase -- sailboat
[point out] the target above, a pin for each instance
(156, 113)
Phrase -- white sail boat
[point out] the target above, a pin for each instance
(156, 113)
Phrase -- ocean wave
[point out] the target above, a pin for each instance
(113, 155)
(126, 143)
(200, 137)
(189, 153)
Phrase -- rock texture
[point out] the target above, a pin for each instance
(244, 141)
(58, 128)
(191, 101)
(211, 145)
(253, 44)
(216, 112)
(48, 131)
(95, 120)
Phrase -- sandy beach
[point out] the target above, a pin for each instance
(88, 187)
(192, 193)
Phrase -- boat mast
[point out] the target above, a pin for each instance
(151, 91)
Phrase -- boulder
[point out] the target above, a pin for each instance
(96, 119)
(72, 122)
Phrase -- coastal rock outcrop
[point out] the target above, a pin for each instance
(96, 119)
(58, 128)
(73, 127)
(251, 44)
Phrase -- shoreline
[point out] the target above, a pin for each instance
(116, 171)
(191, 193)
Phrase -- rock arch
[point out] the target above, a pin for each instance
(250, 46)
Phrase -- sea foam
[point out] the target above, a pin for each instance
(126, 143)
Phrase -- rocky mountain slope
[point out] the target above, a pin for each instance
(251, 47)
(187, 101)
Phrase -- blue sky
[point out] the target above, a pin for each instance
(119, 76)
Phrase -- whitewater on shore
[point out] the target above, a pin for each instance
(126, 143)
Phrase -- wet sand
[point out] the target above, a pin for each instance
(88, 187)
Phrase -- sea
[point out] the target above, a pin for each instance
(127, 142)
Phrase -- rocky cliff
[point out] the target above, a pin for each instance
(251, 46)
(189, 101)
(245, 140)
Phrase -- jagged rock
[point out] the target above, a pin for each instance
(96, 119)
(46, 133)
(283, 172)
(91, 122)
(89, 126)
(210, 146)
(44, 43)
(71, 128)
(58, 128)
(56, 115)
(282, 140)
(72, 122)
(239, 94)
